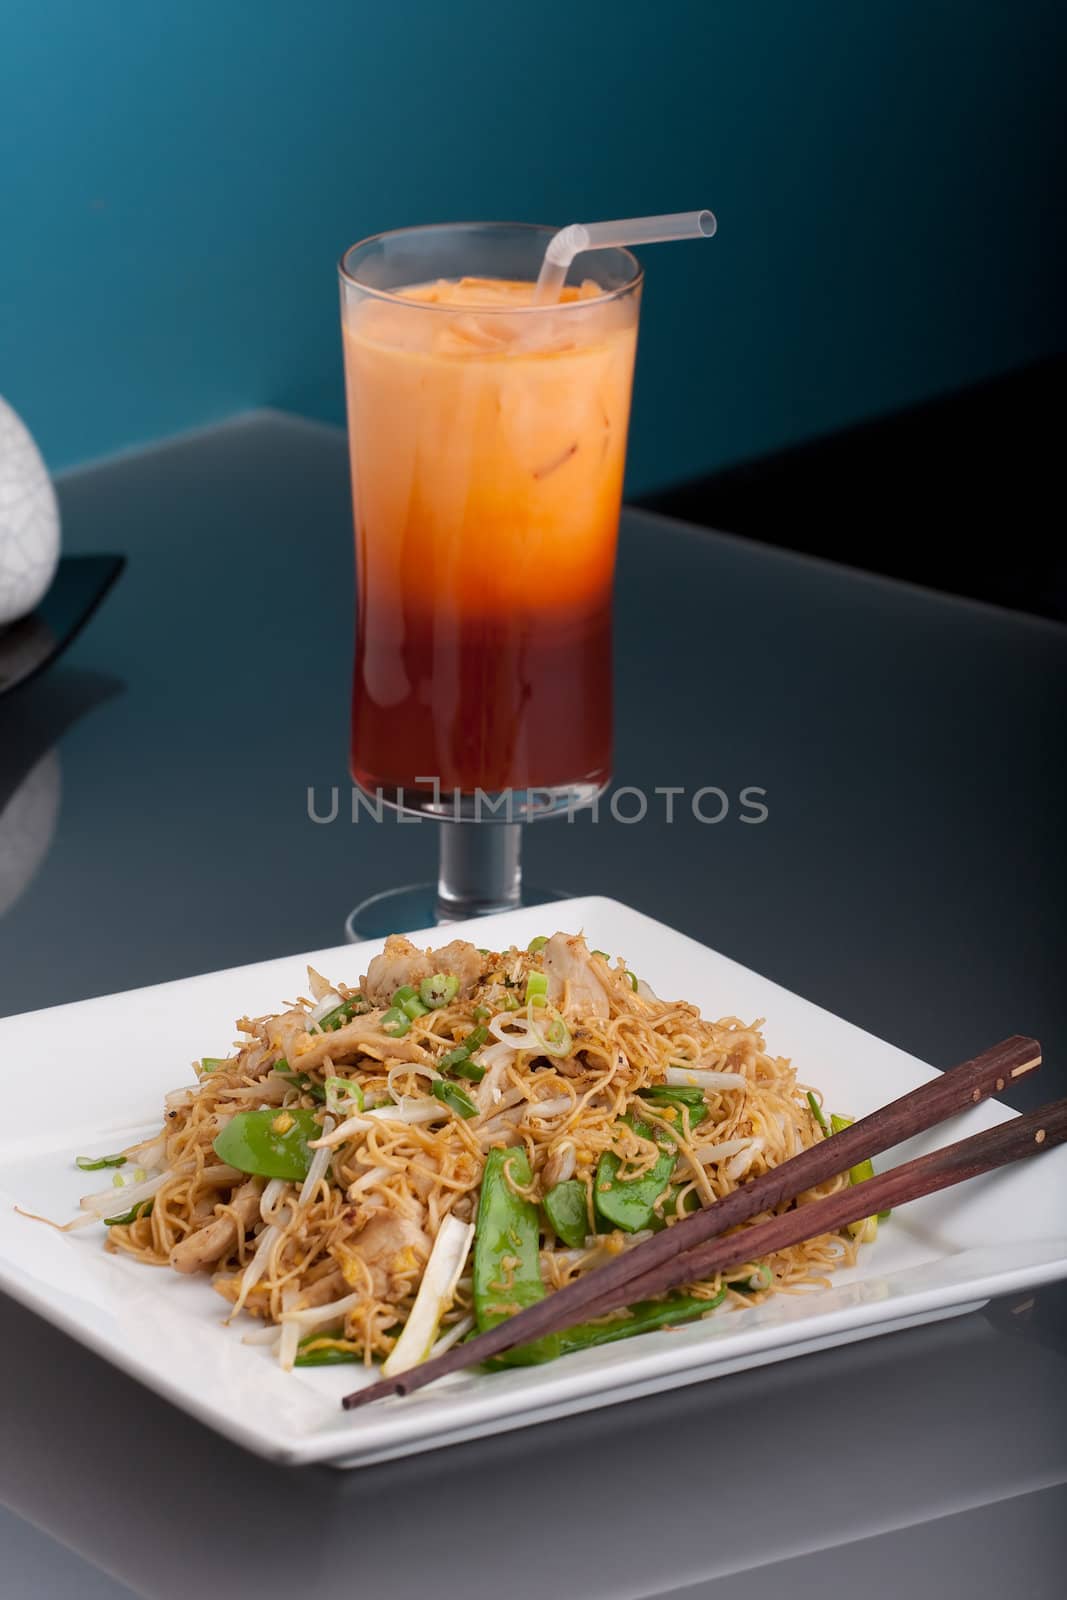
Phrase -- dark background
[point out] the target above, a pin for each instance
(963, 494)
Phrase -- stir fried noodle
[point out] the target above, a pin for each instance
(334, 1164)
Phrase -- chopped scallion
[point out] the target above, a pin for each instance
(98, 1163)
(537, 989)
(817, 1113)
(455, 1098)
(340, 1014)
(439, 990)
(343, 1096)
(470, 1069)
(452, 1058)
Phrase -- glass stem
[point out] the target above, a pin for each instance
(480, 869)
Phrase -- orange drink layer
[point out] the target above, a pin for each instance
(488, 441)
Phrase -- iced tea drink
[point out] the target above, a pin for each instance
(488, 439)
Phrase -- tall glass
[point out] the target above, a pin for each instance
(488, 441)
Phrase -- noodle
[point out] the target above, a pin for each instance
(557, 1079)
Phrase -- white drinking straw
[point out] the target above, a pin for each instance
(571, 241)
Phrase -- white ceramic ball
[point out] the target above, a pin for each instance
(29, 520)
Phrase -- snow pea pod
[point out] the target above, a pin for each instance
(679, 1095)
(629, 1203)
(327, 1355)
(860, 1173)
(507, 1266)
(269, 1143)
(645, 1317)
(669, 1208)
(567, 1211)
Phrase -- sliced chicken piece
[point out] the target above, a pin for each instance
(204, 1249)
(402, 962)
(464, 961)
(488, 1092)
(285, 1033)
(258, 1055)
(399, 963)
(323, 1290)
(362, 1034)
(501, 1130)
(219, 1176)
(390, 1245)
(573, 984)
(214, 1177)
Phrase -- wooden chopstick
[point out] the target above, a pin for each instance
(611, 1286)
(940, 1169)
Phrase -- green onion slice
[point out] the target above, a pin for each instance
(455, 1098)
(818, 1113)
(439, 990)
(472, 1070)
(537, 989)
(343, 1096)
(395, 1022)
(98, 1163)
(339, 1015)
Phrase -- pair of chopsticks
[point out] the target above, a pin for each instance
(694, 1248)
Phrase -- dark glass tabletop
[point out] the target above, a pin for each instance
(154, 822)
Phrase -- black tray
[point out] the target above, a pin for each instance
(29, 645)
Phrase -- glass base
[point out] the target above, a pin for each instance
(417, 905)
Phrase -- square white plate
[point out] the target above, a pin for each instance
(91, 1076)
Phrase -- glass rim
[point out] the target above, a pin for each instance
(394, 298)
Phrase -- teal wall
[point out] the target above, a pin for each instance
(177, 178)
